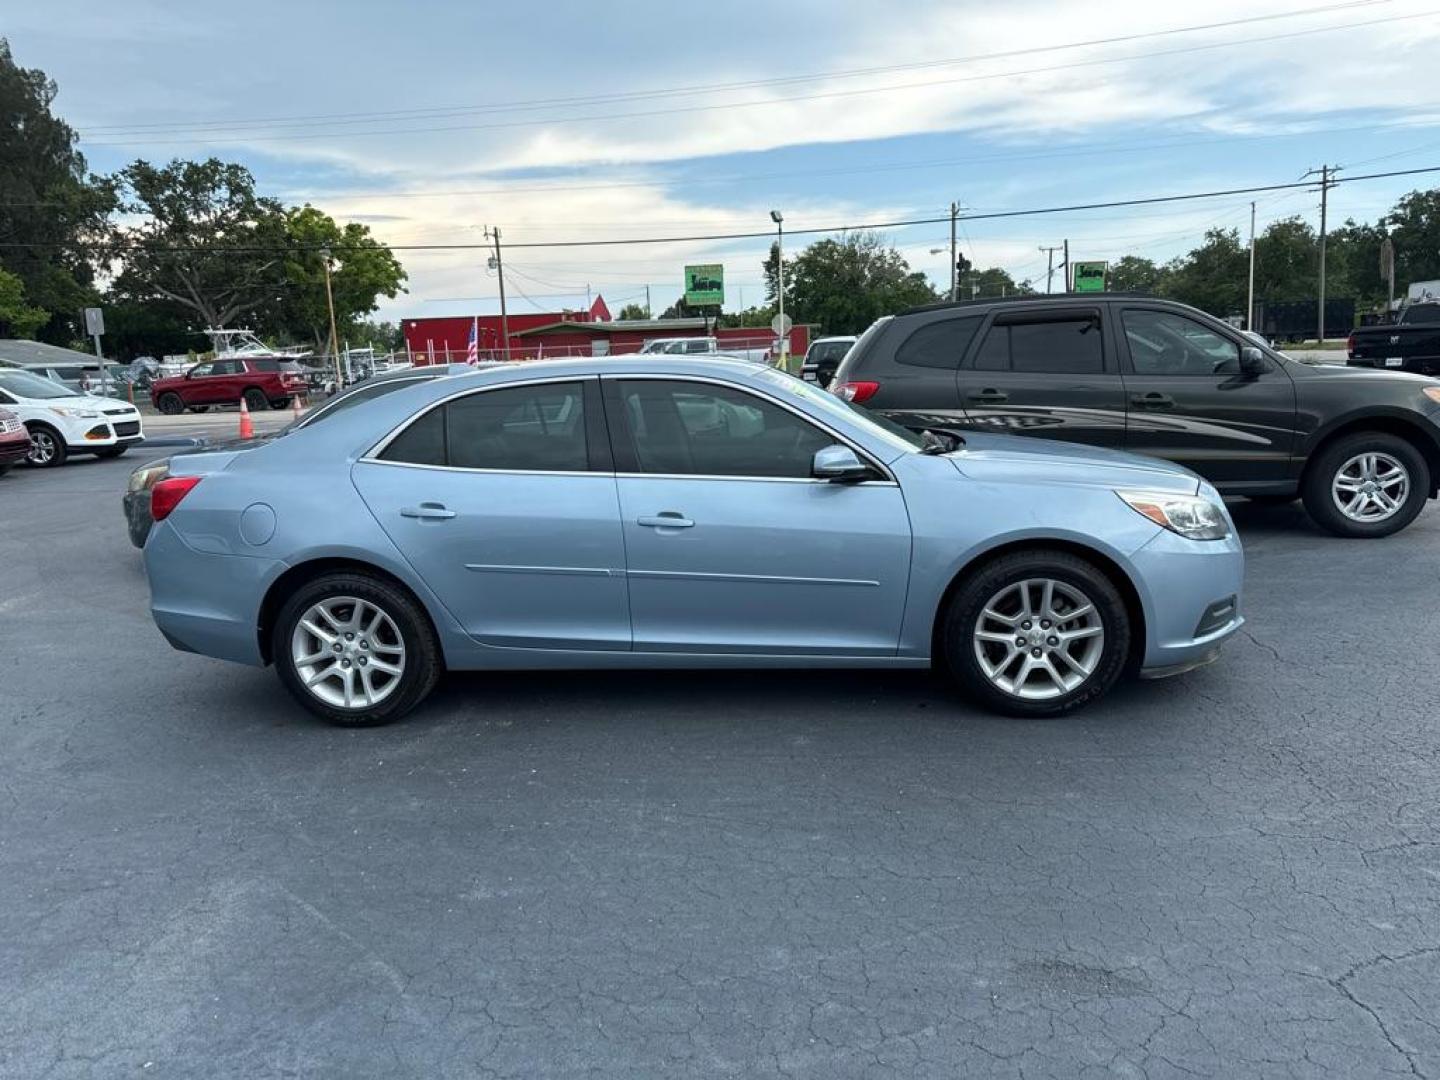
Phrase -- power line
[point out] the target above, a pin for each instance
(710, 88)
(770, 102)
(766, 234)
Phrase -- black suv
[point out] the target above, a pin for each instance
(1362, 447)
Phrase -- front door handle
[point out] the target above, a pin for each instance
(1153, 401)
(428, 511)
(666, 519)
(988, 397)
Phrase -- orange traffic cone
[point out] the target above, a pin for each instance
(295, 406)
(247, 426)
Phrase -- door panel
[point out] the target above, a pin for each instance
(527, 560)
(491, 498)
(731, 546)
(1046, 373)
(1189, 403)
(765, 566)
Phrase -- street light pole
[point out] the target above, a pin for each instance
(1049, 264)
(334, 334)
(1250, 293)
(779, 219)
(954, 254)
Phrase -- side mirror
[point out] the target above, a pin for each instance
(1252, 361)
(838, 464)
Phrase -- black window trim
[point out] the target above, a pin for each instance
(590, 398)
(627, 466)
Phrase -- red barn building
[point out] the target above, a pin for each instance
(571, 333)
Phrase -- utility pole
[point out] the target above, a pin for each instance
(1066, 266)
(1049, 264)
(498, 265)
(647, 303)
(954, 253)
(334, 335)
(779, 219)
(1250, 293)
(1326, 183)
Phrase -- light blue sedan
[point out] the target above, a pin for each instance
(644, 512)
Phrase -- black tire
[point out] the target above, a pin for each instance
(984, 584)
(5, 469)
(170, 404)
(45, 440)
(423, 662)
(1317, 488)
(112, 452)
(255, 399)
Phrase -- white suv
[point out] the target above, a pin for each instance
(62, 422)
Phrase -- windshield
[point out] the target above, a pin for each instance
(897, 436)
(23, 384)
(1421, 314)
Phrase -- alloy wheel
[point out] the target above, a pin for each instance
(1039, 639)
(42, 447)
(1371, 487)
(348, 652)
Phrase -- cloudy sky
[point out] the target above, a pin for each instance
(562, 121)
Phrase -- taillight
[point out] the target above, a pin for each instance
(166, 495)
(858, 392)
(1350, 344)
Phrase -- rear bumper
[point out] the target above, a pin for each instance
(1191, 590)
(208, 604)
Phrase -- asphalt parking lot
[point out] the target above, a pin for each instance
(823, 875)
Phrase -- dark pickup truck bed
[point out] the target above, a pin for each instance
(1411, 344)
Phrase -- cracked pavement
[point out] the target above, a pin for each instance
(817, 875)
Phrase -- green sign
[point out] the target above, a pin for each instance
(705, 285)
(1089, 277)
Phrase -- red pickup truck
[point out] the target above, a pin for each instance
(262, 383)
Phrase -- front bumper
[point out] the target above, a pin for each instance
(106, 432)
(1191, 590)
(12, 452)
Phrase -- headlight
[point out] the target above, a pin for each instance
(1191, 516)
(79, 414)
(146, 477)
(1432, 392)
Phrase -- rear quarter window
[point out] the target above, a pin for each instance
(938, 344)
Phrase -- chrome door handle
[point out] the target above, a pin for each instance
(667, 519)
(427, 512)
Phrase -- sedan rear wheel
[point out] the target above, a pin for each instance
(1037, 633)
(355, 650)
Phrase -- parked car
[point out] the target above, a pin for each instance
(61, 422)
(1362, 448)
(654, 512)
(1410, 344)
(823, 358)
(262, 383)
(703, 346)
(81, 378)
(136, 502)
(14, 441)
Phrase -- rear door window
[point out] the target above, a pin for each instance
(1061, 347)
(538, 428)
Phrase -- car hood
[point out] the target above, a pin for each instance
(1338, 372)
(1015, 458)
(81, 401)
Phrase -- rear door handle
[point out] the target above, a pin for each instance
(666, 519)
(428, 511)
(988, 397)
(1153, 401)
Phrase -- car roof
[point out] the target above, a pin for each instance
(714, 364)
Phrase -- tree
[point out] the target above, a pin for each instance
(362, 270)
(991, 283)
(1132, 273)
(1352, 264)
(17, 318)
(633, 311)
(1287, 261)
(1414, 226)
(845, 284)
(1212, 277)
(51, 212)
(205, 240)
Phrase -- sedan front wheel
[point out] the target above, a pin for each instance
(1037, 633)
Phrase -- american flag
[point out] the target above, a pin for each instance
(472, 347)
